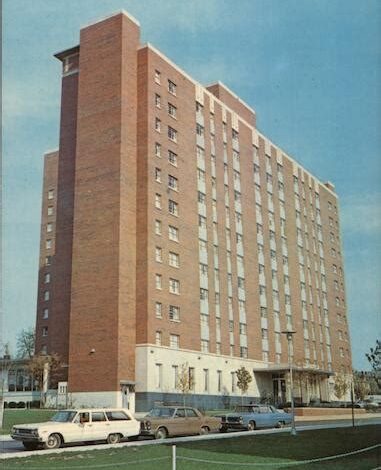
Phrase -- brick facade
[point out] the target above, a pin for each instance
(139, 166)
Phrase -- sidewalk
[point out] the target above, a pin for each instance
(346, 416)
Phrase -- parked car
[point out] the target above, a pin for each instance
(68, 426)
(255, 417)
(165, 421)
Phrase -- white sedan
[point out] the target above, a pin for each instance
(68, 426)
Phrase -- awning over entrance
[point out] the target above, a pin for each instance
(127, 382)
(283, 368)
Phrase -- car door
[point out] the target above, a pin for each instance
(267, 417)
(99, 426)
(193, 422)
(176, 425)
(79, 428)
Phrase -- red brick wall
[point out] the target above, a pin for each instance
(103, 288)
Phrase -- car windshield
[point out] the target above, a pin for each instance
(161, 412)
(63, 416)
(245, 409)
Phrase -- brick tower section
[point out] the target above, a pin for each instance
(103, 300)
(61, 286)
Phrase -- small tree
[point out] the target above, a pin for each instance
(185, 380)
(341, 385)
(361, 385)
(40, 367)
(25, 343)
(244, 378)
(374, 359)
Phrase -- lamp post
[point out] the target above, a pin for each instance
(289, 334)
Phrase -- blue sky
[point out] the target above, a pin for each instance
(310, 68)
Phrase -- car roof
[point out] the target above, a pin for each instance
(87, 410)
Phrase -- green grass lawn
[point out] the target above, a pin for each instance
(15, 416)
(269, 450)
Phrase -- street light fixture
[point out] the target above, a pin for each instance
(289, 334)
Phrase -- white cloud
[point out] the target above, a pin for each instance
(361, 213)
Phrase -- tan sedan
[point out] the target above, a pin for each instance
(165, 421)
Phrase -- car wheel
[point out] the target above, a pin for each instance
(30, 445)
(280, 424)
(161, 433)
(113, 438)
(204, 430)
(54, 441)
(251, 426)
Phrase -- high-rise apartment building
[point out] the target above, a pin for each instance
(176, 236)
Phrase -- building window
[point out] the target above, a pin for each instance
(206, 380)
(173, 233)
(50, 210)
(46, 295)
(159, 254)
(204, 346)
(174, 341)
(174, 286)
(243, 352)
(157, 124)
(172, 88)
(172, 158)
(158, 337)
(158, 375)
(158, 281)
(51, 194)
(158, 201)
(174, 313)
(174, 259)
(45, 313)
(157, 101)
(158, 309)
(47, 278)
(200, 130)
(242, 328)
(219, 380)
(45, 331)
(48, 244)
(173, 183)
(175, 371)
(158, 227)
(158, 175)
(265, 333)
(49, 227)
(157, 77)
(218, 348)
(172, 110)
(204, 294)
(232, 374)
(157, 149)
(172, 134)
(173, 208)
(48, 260)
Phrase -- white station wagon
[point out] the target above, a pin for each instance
(68, 426)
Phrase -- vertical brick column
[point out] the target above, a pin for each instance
(102, 331)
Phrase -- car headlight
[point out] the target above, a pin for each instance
(35, 432)
(14, 430)
(240, 419)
